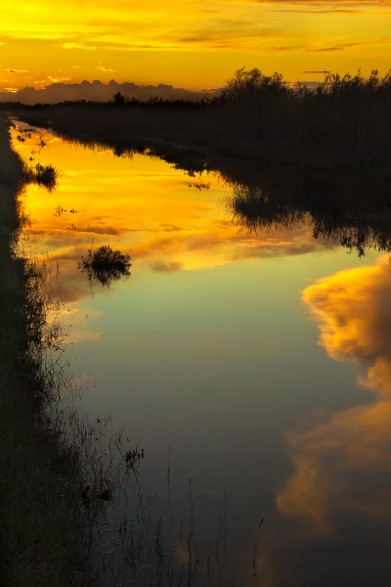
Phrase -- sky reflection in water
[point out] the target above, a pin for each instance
(208, 349)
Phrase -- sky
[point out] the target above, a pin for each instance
(193, 44)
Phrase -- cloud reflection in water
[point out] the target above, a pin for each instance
(338, 498)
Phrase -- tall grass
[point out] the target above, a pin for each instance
(44, 539)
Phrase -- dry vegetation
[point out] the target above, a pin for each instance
(43, 541)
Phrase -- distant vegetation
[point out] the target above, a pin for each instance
(348, 210)
(291, 153)
(343, 123)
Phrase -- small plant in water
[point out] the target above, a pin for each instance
(105, 265)
(45, 175)
(133, 457)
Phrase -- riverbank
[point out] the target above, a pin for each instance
(342, 126)
(43, 537)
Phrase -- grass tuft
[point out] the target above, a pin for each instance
(105, 265)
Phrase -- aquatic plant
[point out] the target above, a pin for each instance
(44, 175)
(105, 265)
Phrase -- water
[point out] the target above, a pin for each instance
(253, 368)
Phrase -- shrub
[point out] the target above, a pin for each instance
(105, 265)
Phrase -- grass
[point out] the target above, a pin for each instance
(105, 265)
(44, 539)
(43, 175)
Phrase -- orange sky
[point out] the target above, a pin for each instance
(194, 44)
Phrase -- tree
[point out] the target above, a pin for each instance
(252, 83)
(118, 98)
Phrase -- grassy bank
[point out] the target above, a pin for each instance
(43, 541)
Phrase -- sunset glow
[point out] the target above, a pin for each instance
(165, 219)
(194, 45)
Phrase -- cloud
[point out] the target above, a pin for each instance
(339, 470)
(57, 80)
(313, 9)
(171, 228)
(166, 267)
(341, 47)
(58, 91)
(80, 46)
(14, 70)
(342, 466)
(285, 48)
(221, 245)
(354, 315)
(342, 6)
(105, 68)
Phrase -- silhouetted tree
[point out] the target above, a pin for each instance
(118, 98)
(253, 83)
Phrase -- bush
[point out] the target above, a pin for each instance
(105, 265)
(45, 175)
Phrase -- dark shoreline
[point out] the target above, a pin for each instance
(348, 204)
(341, 126)
(42, 540)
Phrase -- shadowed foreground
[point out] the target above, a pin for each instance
(42, 542)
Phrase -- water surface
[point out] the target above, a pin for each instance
(254, 363)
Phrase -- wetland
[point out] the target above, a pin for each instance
(244, 363)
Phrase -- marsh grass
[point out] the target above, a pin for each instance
(105, 265)
(44, 539)
(43, 175)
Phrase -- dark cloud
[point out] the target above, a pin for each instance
(14, 70)
(166, 267)
(285, 48)
(98, 91)
(328, 10)
(328, 5)
(170, 228)
(334, 48)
